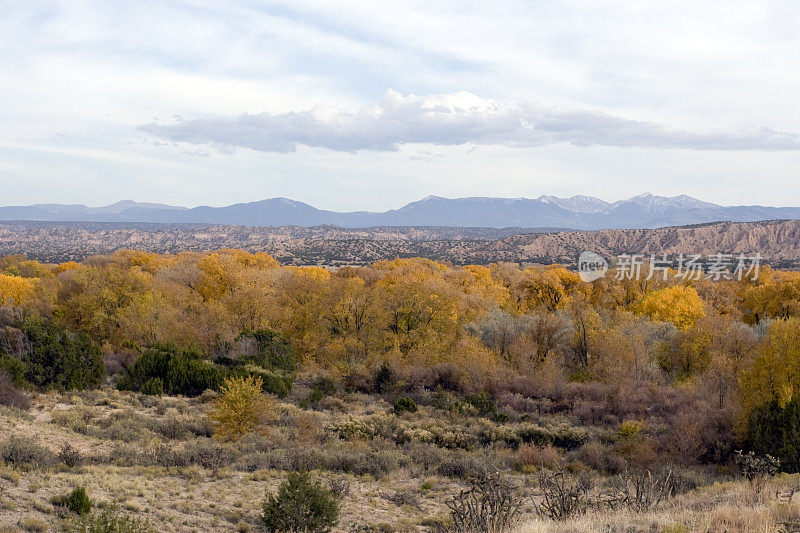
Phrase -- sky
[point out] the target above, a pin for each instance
(356, 105)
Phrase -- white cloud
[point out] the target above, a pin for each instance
(453, 119)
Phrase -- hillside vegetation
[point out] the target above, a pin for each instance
(182, 389)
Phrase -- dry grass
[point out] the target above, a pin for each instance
(188, 498)
(724, 507)
(201, 485)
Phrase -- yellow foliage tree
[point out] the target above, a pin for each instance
(545, 287)
(148, 262)
(776, 295)
(476, 279)
(66, 267)
(689, 352)
(567, 278)
(34, 269)
(217, 275)
(90, 298)
(260, 260)
(413, 266)
(314, 273)
(419, 308)
(678, 304)
(15, 289)
(240, 409)
(775, 372)
(350, 312)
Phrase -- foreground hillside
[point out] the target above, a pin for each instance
(777, 241)
(150, 460)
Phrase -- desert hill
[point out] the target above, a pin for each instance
(777, 241)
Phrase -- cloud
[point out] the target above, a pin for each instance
(448, 120)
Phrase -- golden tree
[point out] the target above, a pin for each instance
(678, 304)
(775, 373)
(545, 287)
(775, 296)
(240, 409)
(15, 289)
(65, 267)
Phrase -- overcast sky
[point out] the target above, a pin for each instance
(369, 105)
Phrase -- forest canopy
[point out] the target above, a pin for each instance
(178, 324)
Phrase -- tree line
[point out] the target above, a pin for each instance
(181, 323)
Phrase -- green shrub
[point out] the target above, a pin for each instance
(53, 356)
(14, 368)
(153, 387)
(775, 430)
(404, 404)
(675, 528)
(323, 387)
(384, 378)
(501, 418)
(629, 430)
(167, 369)
(273, 382)
(562, 436)
(300, 505)
(274, 351)
(76, 501)
(483, 403)
(181, 371)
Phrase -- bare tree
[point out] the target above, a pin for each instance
(562, 496)
(641, 491)
(545, 331)
(489, 506)
(499, 331)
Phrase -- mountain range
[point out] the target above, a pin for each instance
(577, 212)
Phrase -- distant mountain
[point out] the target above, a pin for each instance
(577, 212)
